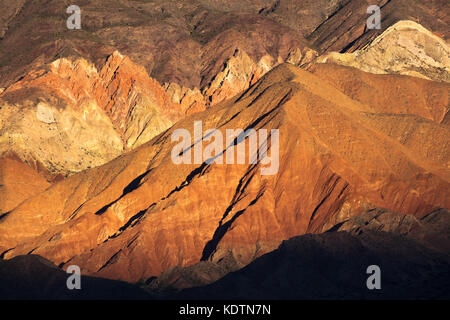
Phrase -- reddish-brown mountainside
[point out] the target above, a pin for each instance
(427, 99)
(75, 99)
(340, 153)
(18, 182)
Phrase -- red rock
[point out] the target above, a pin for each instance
(141, 214)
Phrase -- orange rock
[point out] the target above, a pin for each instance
(239, 73)
(18, 182)
(427, 99)
(339, 155)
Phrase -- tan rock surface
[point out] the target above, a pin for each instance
(69, 116)
(345, 29)
(405, 48)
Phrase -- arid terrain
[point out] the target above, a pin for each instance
(352, 155)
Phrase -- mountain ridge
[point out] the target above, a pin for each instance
(136, 203)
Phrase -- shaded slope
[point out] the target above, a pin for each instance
(396, 233)
(412, 254)
(333, 266)
(433, 230)
(34, 278)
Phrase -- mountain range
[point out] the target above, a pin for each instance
(87, 125)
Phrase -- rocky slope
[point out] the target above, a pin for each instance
(345, 30)
(333, 265)
(87, 119)
(188, 42)
(33, 278)
(433, 230)
(404, 48)
(81, 103)
(185, 42)
(399, 235)
(69, 116)
(141, 214)
(427, 99)
(18, 182)
(70, 101)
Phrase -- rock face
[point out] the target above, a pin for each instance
(88, 118)
(433, 230)
(333, 265)
(71, 101)
(186, 42)
(404, 48)
(345, 30)
(140, 214)
(69, 116)
(239, 74)
(330, 265)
